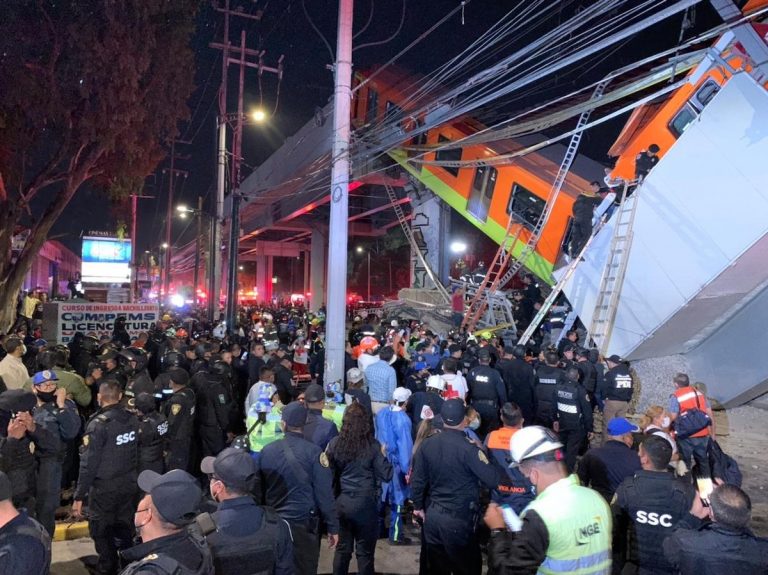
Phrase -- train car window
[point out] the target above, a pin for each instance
(525, 206)
(567, 236)
(453, 155)
(682, 120)
(372, 105)
(705, 94)
(479, 200)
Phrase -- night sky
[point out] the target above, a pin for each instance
(307, 84)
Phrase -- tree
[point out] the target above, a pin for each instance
(91, 92)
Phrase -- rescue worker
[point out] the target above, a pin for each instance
(486, 393)
(108, 463)
(587, 374)
(59, 418)
(360, 466)
(582, 211)
(244, 538)
(25, 546)
(645, 161)
(618, 388)
(296, 481)
(646, 508)
(687, 398)
(169, 505)
(179, 413)
(573, 415)
(355, 392)
(513, 489)
(318, 429)
(519, 380)
(393, 431)
(153, 428)
(266, 377)
(547, 375)
(566, 529)
(448, 470)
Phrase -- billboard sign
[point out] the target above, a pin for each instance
(99, 318)
(106, 260)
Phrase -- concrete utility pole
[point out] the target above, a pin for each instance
(169, 216)
(134, 254)
(198, 247)
(339, 223)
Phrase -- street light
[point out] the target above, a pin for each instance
(458, 247)
(258, 115)
(199, 213)
(360, 250)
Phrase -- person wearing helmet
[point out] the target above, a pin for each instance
(134, 363)
(423, 402)
(153, 428)
(120, 333)
(213, 409)
(566, 529)
(448, 472)
(368, 352)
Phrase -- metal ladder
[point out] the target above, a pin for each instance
(557, 290)
(612, 279)
(501, 275)
(412, 241)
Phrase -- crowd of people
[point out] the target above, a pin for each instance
(192, 450)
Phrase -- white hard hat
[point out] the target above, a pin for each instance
(532, 441)
(393, 323)
(436, 382)
(401, 394)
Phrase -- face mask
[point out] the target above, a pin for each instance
(665, 422)
(46, 396)
(474, 424)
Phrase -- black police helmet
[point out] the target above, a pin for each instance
(220, 368)
(173, 359)
(89, 343)
(133, 354)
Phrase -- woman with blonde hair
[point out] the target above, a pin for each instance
(656, 421)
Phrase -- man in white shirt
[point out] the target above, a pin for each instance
(12, 370)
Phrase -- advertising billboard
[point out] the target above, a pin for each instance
(106, 260)
(97, 319)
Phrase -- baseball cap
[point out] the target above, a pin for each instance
(620, 426)
(453, 411)
(44, 376)
(176, 495)
(295, 414)
(234, 467)
(614, 359)
(145, 403)
(401, 394)
(419, 363)
(6, 492)
(354, 375)
(314, 393)
(483, 353)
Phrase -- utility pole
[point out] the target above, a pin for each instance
(134, 254)
(339, 221)
(169, 216)
(198, 246)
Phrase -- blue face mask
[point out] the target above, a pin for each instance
(474, 424)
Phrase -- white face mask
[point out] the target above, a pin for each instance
(474, 424)
(665, 422)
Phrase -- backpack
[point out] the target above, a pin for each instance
(722, 465)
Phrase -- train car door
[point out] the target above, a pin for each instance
(482, 192)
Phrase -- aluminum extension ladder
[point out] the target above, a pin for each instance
(614, 271)
(498, 274)
(414, 245)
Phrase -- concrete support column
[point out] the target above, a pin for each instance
(431, 225)
(307, 286)
(317, 270)
(262, 278)
(270, 292)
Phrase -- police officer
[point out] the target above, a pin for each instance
(169, 505)
(486, 392)
(108, 463)
(17, 445)
(244, 538)
(58, 416)
(587, 373)
(645, 161)
(213, 411)
(110, 368)
(180, 414)
(296, 481)
(573, 415)
(25, 547)
(518, 379)
(547, 376)
(134, 364)
(153, 428)
(447, 471)
(617, 389)
(553, 536)
(646, 508)
(318, 429)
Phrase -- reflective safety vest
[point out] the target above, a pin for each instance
(578, 521)
(689, 398)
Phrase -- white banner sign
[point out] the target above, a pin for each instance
(99, 319)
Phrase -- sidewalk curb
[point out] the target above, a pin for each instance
(70, 531)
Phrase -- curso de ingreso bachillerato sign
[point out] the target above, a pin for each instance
(99, 319)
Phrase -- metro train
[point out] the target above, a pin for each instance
(488, 196)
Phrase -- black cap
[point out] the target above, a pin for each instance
(295, 414)
(569, 347)
(17, 400)
(583, 352)
(176, 495)
(453, 411)
(614, 359)
(6, 492)
(509, 349)
(483, 353)
(234, 467)
(314, 393)
(145, 403)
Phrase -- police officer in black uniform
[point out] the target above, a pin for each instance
(25, 546)
(318, 429)
(180, 414)
(296, 480)
(447, 470)
(486, 392)
(153, 428)
(133, 362)
(213, 411)
(617, 389)
(518, 379)
(110, 368)
(244, 538)
(573, 415)
(108, 464)
(587, 373)
(547, 376)
(169, 505)
(646, 508)
(17, 445)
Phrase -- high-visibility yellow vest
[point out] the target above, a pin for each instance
(578, 521)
